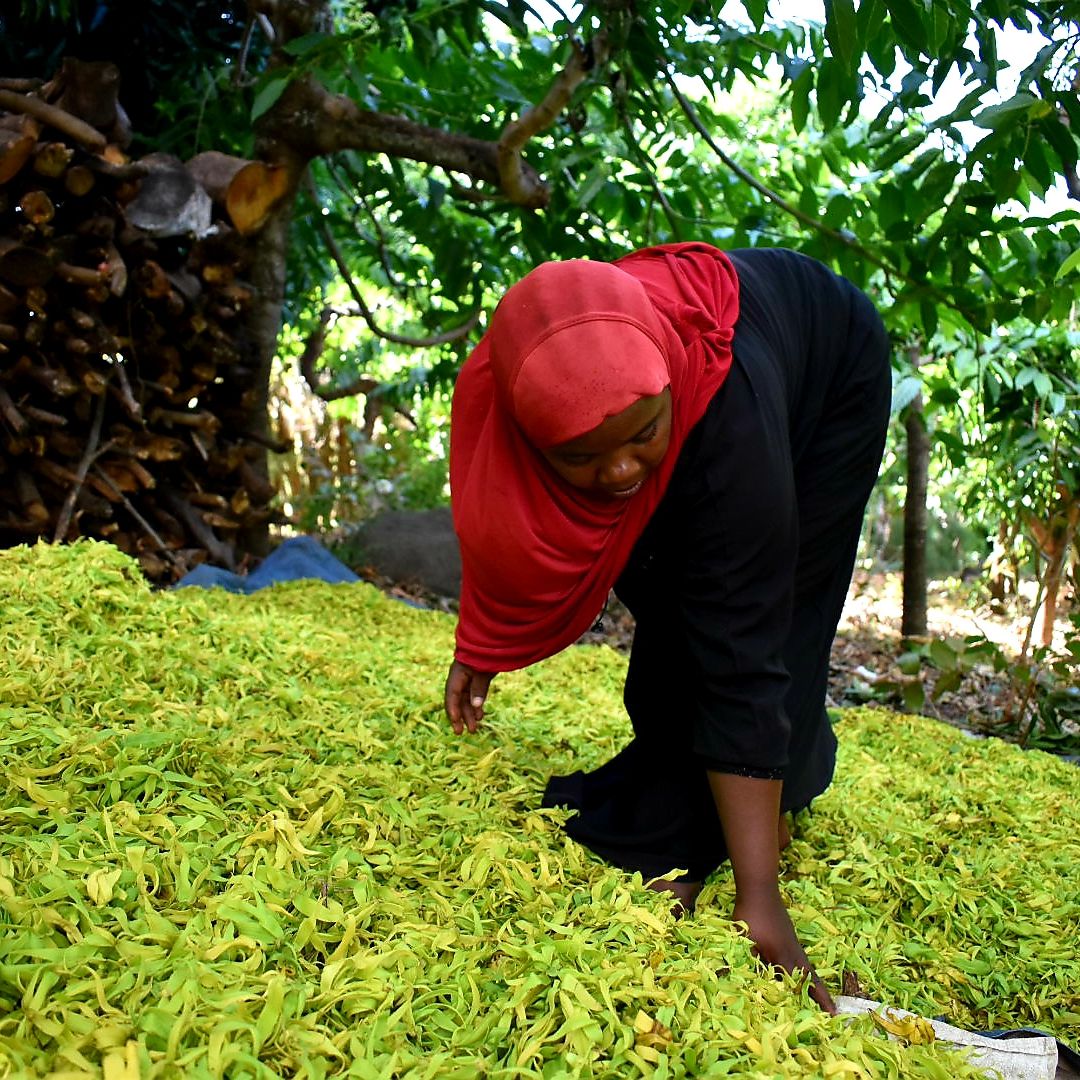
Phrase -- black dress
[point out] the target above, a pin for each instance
(739, 580)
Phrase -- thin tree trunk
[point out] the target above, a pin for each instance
(264, 325)
(914, 622)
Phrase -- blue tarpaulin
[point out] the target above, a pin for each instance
(296, 559)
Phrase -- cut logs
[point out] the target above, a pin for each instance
(125, 375)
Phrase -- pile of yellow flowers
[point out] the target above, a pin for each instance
(237, 838)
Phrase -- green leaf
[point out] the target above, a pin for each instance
(841, 30)
(900, 147)
(268, 95)
(910, 663)
(907, 21)
(830, 94)
(947, 681)
(1069, 265)
(905, 392)
(800, 98)
(1016, 108)
(942, 655)
(914, 695)
(929, 314)
(302, 45)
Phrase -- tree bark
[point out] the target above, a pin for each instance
(914, 619)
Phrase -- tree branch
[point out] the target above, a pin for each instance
(514, 174)
(92, 452)
(365, 312)
(55, 117)
(354, 194)
(315, 123)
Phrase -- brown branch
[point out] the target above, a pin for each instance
(143, 523)
(365, 312)
(245, 47)
(313, 348)
(20, 86)
(55, 117)
(90, 455)
(470, 194)
(276, 446)
(10, 412)
(130, 170)
(314, 123)
(198, 528)
(515, 181)
(380, 235)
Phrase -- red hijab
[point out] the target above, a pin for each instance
(569, 345)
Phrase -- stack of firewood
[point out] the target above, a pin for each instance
(126, 379)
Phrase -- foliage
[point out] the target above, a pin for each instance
(253, 846)
(893, 141)
(1041, 698)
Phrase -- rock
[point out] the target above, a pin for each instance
(415, 547)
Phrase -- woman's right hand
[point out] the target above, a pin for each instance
(466, 692)
(768, 925)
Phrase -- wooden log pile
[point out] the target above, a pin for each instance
(126, 378)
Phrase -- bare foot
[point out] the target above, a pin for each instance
(685, 893)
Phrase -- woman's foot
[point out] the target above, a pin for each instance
(685, 893)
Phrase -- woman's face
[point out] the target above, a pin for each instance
(614, 459)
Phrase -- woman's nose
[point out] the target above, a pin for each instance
(618, 471)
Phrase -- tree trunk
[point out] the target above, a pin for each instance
(913, 622)
(1054, 540)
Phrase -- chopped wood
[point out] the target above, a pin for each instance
(15, 150)
(21, 265)
(170, 201)
(11, 414)
(121, 389)
(160, 448)
(110, 395)
(79, 181)
(57, 474)
(152, 281)
(57, 382)
(208, 499)
(219, 521)
(30, 498)
(79, 275)
(20, 86)
(37, 299)
(37, 208)
(204, 421)
(250, 191)
(54, 117)
(52, 158)
(9, 302)
(43, 416)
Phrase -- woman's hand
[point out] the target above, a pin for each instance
(769, 927)
(466, 692)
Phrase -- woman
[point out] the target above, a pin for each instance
(700, 431)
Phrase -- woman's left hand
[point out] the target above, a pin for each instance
(770, 928)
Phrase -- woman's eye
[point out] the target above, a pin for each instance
(647, 435)
(573, 460)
